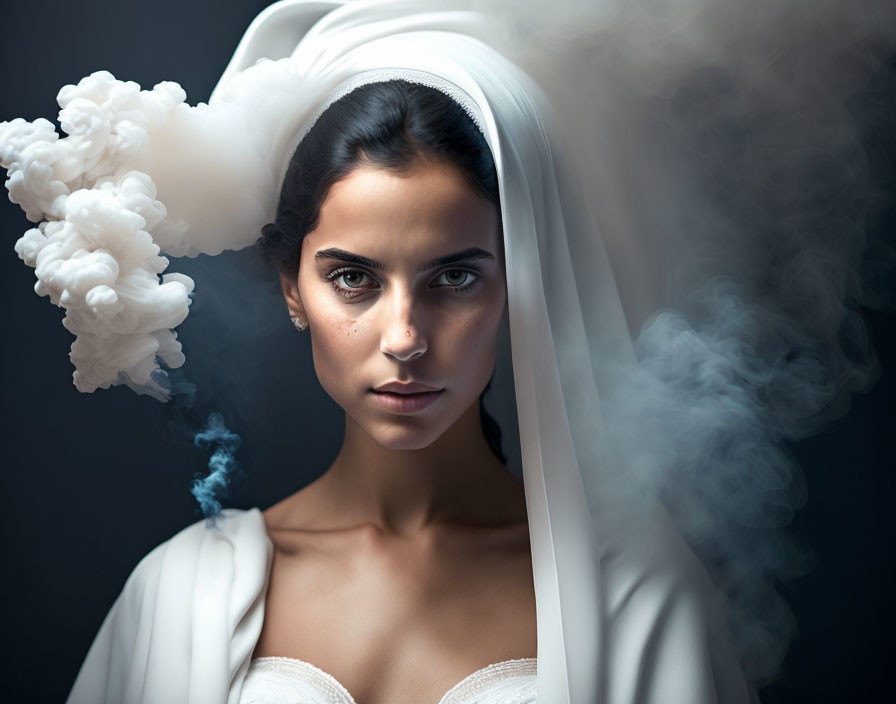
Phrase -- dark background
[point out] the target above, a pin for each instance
(93, 481)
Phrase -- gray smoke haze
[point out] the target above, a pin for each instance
(728, 144)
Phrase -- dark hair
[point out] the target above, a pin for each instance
(389, 124)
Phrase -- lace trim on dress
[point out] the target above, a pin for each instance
(473, 684)
(305, 672)
(484, 680)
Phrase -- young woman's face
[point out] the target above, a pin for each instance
(402, 282)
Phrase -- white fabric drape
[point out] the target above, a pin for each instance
(184, 627)
(553, 330)
(189, 616)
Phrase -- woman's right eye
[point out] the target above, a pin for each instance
(352, 279)
(349, 282)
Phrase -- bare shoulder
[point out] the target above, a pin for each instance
(278, 515)
(298, 513)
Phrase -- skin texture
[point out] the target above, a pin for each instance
(406, 566)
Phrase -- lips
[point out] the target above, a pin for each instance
(410, 387)
(409, 397)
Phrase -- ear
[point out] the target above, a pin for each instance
(290, 287)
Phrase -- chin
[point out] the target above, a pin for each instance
(400, 436)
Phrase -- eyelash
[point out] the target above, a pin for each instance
(355, 292)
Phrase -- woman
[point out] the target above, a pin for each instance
(623, 610)
(410, 555)
(411, 551)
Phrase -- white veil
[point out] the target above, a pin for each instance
(142, 174)
(547, 228)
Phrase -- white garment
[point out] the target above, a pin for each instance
(187, 621)
(280, 680)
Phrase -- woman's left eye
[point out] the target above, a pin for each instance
(459, 279)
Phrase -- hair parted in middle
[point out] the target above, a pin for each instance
(391, 125)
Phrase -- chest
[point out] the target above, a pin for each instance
(400, 624)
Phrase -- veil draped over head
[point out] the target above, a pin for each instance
(141, 174)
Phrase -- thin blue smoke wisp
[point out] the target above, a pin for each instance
(186, 426)
(223, 465)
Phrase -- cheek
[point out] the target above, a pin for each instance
(338, 343)
(331, 345)
(467, 345)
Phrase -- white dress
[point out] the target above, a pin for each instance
(278, 680)
(186, 623)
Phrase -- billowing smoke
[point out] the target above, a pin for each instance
(102, 225)
(102, 228)
(726, 147)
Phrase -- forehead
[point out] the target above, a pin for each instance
(410, 215)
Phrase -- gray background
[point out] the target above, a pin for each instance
(93, 481)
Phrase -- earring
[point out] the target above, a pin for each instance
(300, 326)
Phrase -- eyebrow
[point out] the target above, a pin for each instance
(466, 255)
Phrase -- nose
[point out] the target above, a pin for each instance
(402, 337)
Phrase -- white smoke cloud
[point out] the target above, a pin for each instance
(97, 250)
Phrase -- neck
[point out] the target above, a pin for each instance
(457, 479)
